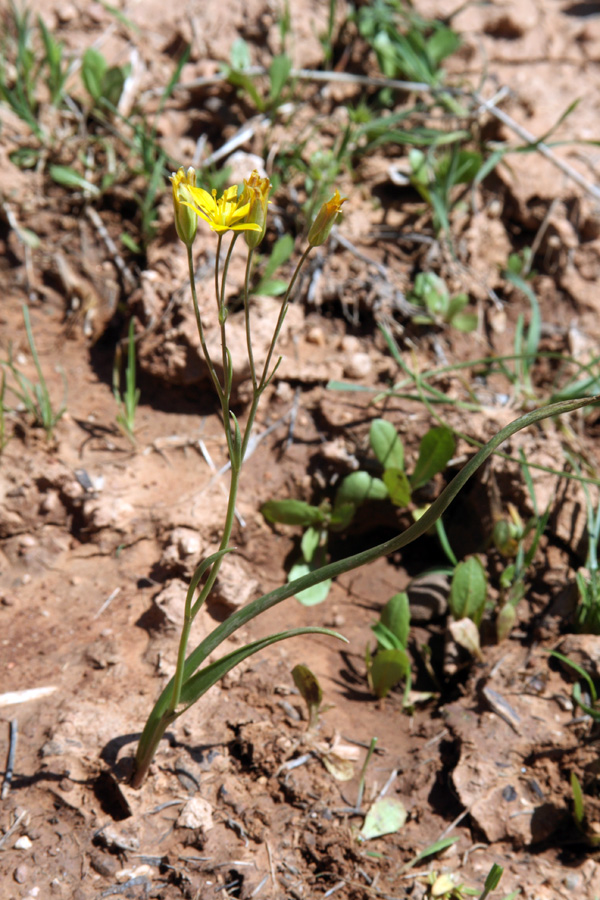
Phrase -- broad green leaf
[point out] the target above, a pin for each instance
(291, 512)
(112, 84)
(310, 691)
(386, 444)
(430, 291)
(342, 515)
(442, 43)
(358, 487)
(396, 616)
(398, 485)
(386, 816)
(314, 595)
(270, 287)
(281, 252)
(468, 591)
(464, 321)
(240, 54)
(388, 669)
(279, 72)
(456, 305)
(435, 451)
(193, 688)
(309, 543)
(93, 70)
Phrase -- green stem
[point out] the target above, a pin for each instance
(209, 362)
(227, 374)
(265, 379)
(247, 317)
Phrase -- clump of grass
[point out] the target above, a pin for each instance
(127, 401)
(34, 395)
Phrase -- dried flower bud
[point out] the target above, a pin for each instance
(320, 228)
(256, 194)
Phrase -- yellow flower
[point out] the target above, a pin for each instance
(225, 214)
(256, 193)
(186, 222)
(320, 228)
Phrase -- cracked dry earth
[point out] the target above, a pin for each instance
(98, 538)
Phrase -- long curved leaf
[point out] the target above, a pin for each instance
(198, 684)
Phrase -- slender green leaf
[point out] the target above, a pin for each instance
(194, 687)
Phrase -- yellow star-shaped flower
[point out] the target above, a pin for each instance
(225, 214)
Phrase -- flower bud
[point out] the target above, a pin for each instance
(320, 228)
(256, 194)
(186, 220)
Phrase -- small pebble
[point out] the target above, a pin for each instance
(358, 366)
(21, 874)
(23, 843)
(315, 335)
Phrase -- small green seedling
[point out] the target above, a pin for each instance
(35, 396)
(435, 450)
(587, 615)
(589, 705)
(521, 540)
(406, 44)
(435, 175)
(310, 691)
(337, 757)
(127, 402)
(527, 340)
(239, 73)
(390, 664)
(430, 291)
(443, 887)
(590, 834)
(103, 83)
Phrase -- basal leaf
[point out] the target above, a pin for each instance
(435, 451)
(468, 591)
(291, 512)
(388, 669)
(398, 485)
(386, 444)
